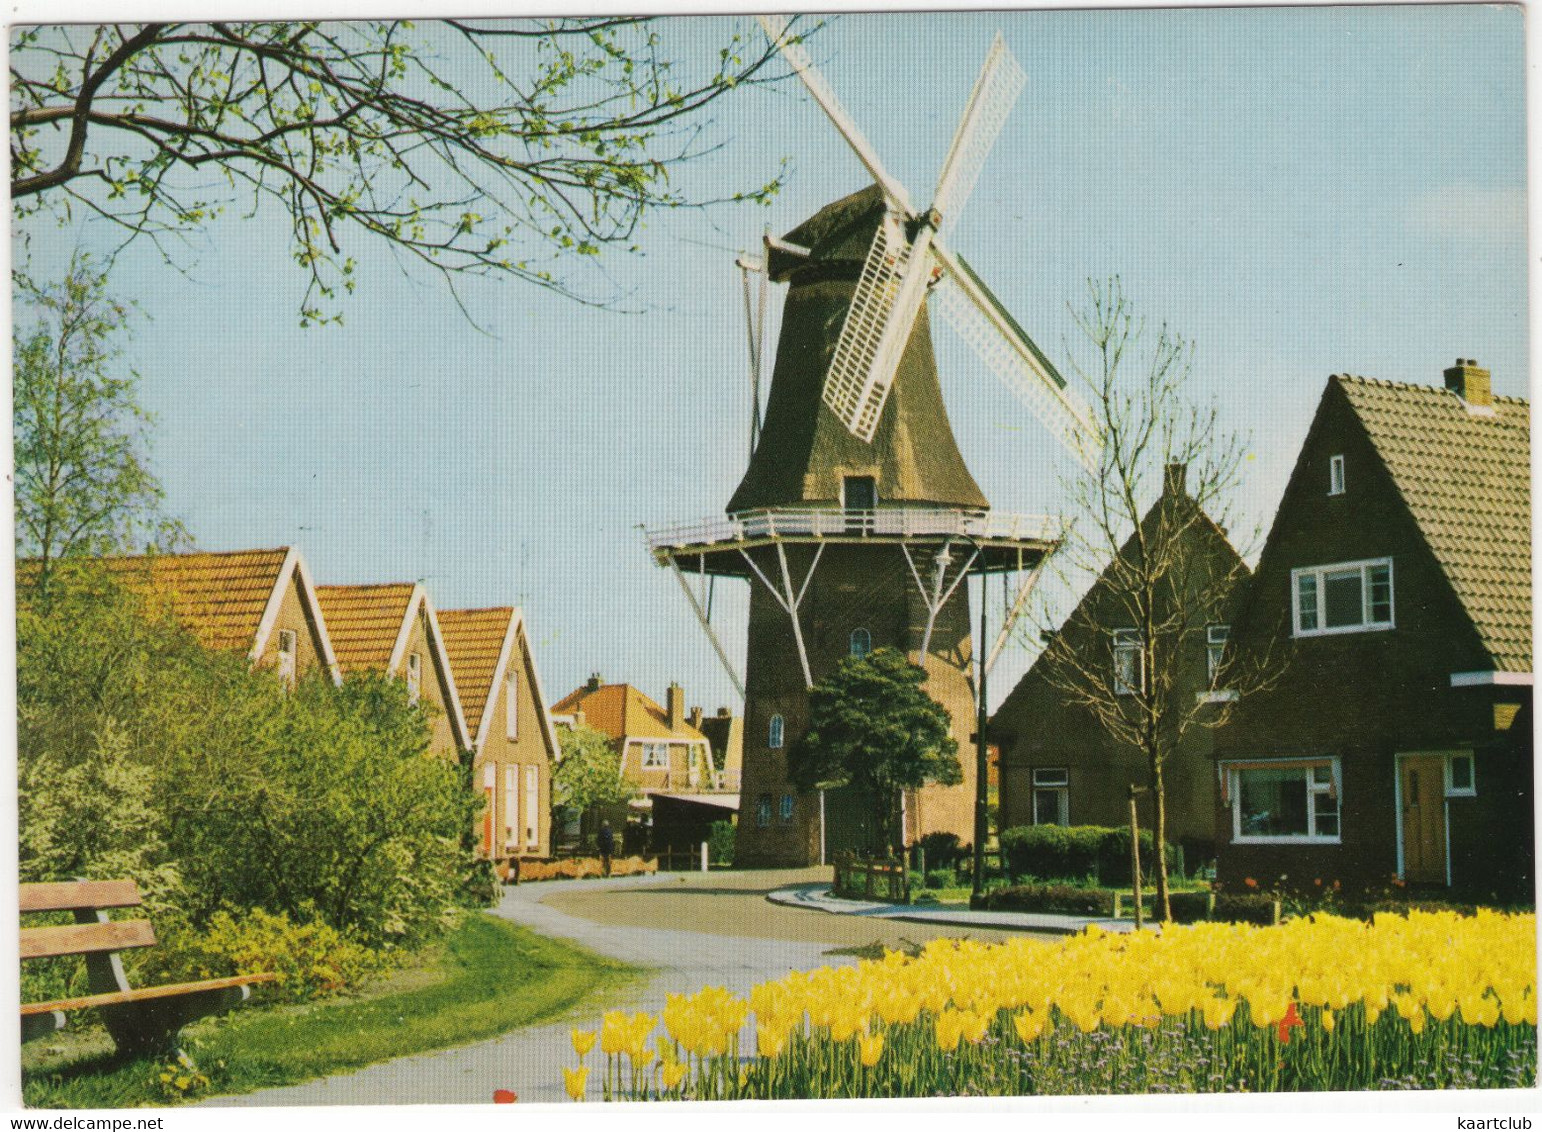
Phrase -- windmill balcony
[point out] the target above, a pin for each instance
(827, 524)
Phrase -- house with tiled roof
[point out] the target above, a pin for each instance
(262, 603)
(513, 742)
(1394, 742)
(1059, 763)
(660, 750)
(392, 628)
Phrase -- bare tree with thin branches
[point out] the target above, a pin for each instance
(1150, 526)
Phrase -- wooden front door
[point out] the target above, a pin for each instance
(1424, 818)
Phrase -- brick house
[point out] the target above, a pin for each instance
(1059, 765)
(512, 740)
(1398, 571)
(262, 603)
(660, 750)
(393, 629)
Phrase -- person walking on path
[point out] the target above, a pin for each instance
(607, 843)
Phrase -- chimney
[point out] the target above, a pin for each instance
(696, 718)
(675, 701)
(594, 682)
(725, 713)
(1470, 383)
(1176, 479)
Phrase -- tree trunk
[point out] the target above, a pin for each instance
(1163, 910)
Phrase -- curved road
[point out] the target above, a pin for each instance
(691, 930)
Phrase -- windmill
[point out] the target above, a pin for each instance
(856, 522)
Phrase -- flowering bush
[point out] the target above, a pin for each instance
(311, 960)
(1430, 1000)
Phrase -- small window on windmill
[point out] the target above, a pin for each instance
(861, 643)
(774, 735)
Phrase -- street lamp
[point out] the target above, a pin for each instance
(981, 768)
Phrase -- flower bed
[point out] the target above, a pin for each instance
(1430, 1000)
(572, 868)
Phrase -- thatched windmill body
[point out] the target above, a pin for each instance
(857, 520)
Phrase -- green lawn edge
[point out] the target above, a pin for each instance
(489, 977)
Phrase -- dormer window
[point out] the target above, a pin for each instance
(1335, 475)
(414, 676)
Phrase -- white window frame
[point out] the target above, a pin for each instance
(511, 805)
(414, 676)
(1127, 642)
(1336, 484)
(1471, 789)
(1058, 780)
(655, 756)
(866, 639)
(511, 706)
(1314, 789)
(288, 655)
(776, 732)
(1216, 639)
(532, 806)
(1319, 575)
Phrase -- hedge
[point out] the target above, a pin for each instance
(1079, 852)
(1061, 898)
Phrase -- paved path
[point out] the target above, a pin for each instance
(691, 929)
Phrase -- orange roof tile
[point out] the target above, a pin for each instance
(221, 597)
(365, 621)
(621, 711)
(473, 640)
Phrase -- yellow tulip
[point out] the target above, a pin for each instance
(948, 1030)
(1327, 1021)
(575, 1080)
(583, 1041)
(1028, 1025)
(871, 1046)
(769, 1042)
(674, 1072)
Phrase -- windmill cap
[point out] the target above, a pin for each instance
(840, 232)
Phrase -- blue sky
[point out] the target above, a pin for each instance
(1301, 191)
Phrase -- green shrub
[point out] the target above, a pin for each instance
(943, 850)
(1058, 898)
(720, 842)
(1189, 907)
(311, 960)
(941, 878)
(1114, 858)
(1060, 852)
(1245, 908)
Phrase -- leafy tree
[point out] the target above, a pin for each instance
(1149, 525)
(142, 753)
(588, 773)
(82, 483)
(873, 728)
(499, 146)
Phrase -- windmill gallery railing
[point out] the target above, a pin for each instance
(843, 525)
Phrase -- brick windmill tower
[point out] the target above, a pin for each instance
(857, 521)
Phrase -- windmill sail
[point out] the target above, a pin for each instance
(995, 92)
(980, 320)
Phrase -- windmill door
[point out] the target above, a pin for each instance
(1422, 787)
(859, 497)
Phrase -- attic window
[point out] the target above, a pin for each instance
(288, 643)
(511, 706)
(414, 676)
(1335, 475)
(1349, 597)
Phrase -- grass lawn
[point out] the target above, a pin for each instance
(486, 978)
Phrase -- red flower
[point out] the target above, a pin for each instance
(1287, 1023)
(1250, 882)
(504, 1096)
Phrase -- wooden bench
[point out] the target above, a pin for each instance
(143, 1020)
